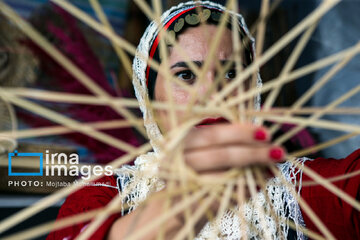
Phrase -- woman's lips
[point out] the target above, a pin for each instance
(212, 121)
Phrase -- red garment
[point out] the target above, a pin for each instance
(342, 220)
(86, 199)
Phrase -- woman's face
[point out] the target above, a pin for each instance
(195, 43)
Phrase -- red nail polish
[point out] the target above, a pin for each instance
(276, 153)
(260, 135)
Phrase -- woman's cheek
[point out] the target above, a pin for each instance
(181, 96)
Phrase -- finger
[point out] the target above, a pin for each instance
(215, 177)
(223, 134)
(219, 158)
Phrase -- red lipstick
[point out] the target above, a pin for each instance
(211, 121)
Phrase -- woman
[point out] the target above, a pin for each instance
(209, 149)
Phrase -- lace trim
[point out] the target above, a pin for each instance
(138, 181)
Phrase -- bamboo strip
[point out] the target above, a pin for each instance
(63, 97)
(307, 232)
(329, 186)
(47, 201)
(260, 39)
(166, 193)
(209, 59)
(219, 79)
(28, 162)
(293, 76)
(314, 16)
(261, 28)
(324, 145)
(151, 16)
(99, 27)
(213, 47)
(169, 92)
(240, 199)
(164, 217)
(255, 25)
(166, 64)
(289, 65)
(260, 179)
(84, 99)
(217, 183)
(314, 183)
(199, 212)
(226, 67)
(307, 110)
(68, 122)
(53, 198)
(320, 83)
(44, 44)
(46, 227)
(63, 61)
(100, 218)
(331, 125)
(12, 114)
(238, 61)
(318, 115)
(112, 36)
(252, 188)
(58, 130)
(305, 207)
(124, 59)
(71, 220)
(25, 163)
(182, 172)
(166, 152)
(216, 180)
(332, 179)
(146, 9)
(224, 204)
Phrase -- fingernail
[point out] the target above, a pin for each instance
(260, 134)
(276, 153)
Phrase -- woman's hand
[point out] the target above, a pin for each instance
(208, 149)
(224, 146)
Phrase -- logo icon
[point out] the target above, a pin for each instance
(15, 154)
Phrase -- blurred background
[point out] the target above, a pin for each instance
(24, 65)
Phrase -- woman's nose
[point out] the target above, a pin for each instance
(208, 87)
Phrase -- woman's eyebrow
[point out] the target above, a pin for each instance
(200, 63)
(224, 62)
(233, 63)
(186, 64)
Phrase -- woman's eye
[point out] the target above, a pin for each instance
(231, 74)
(186, 76)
